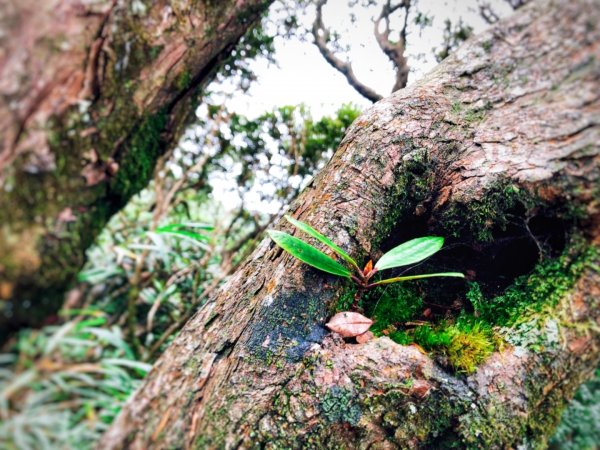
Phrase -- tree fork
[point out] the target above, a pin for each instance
(503, 132)
(91, 96)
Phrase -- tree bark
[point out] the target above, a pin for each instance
(504, 132)
(90, 95)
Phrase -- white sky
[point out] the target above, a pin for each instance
(303, 76)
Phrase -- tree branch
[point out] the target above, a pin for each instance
(394, 50)
(321, 35)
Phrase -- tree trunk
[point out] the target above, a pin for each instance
(493, 149)
(90, 96)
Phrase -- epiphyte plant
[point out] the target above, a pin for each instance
(410, 252)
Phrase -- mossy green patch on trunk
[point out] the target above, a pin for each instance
(479, 218)
(545, 286)
(414, 183)
(465, 339)
(137, 165)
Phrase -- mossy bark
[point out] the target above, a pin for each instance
(90, 97)
(495, 147)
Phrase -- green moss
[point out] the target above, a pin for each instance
(432, 338)
(414, 183)
(456, 107)
(346, 299)
(155, 51)
(545, 286)
(479, 218)
(400, 337)
(466, 343)
(546, 416)
(137, 166)
(184, 80)
(492, 426)
(474, 115)
(391, 306)
(470, 347)
(338, 405)
(410, 423)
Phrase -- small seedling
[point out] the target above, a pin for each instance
(410, 252)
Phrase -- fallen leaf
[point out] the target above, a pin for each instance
(349, 324)
(365, 337)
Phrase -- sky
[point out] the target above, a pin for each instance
(303, 76)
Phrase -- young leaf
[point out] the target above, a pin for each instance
(308, 254)
(416, 277)
(368, 267)
(314, 233)
(349, 324)
(410, 252)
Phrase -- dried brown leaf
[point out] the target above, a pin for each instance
(349, 324)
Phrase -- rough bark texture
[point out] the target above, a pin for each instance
(255, 366)
(91, 93)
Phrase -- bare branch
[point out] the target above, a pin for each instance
(394, 50)
(488, 14)
(321, 35)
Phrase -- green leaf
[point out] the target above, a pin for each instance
(308, 254)
(410, 252)
(185, 233)
(99, 274)
(314, 233)
(417, 277)
(179, 226)
(195, 238)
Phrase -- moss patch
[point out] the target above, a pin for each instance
(392, 305)
(480, 218)
(338, 406)
(414, 183)
(466, 339)
(138, 164)
(470, 345)
(545, 286)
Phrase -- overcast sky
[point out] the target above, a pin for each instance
(303, 76)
